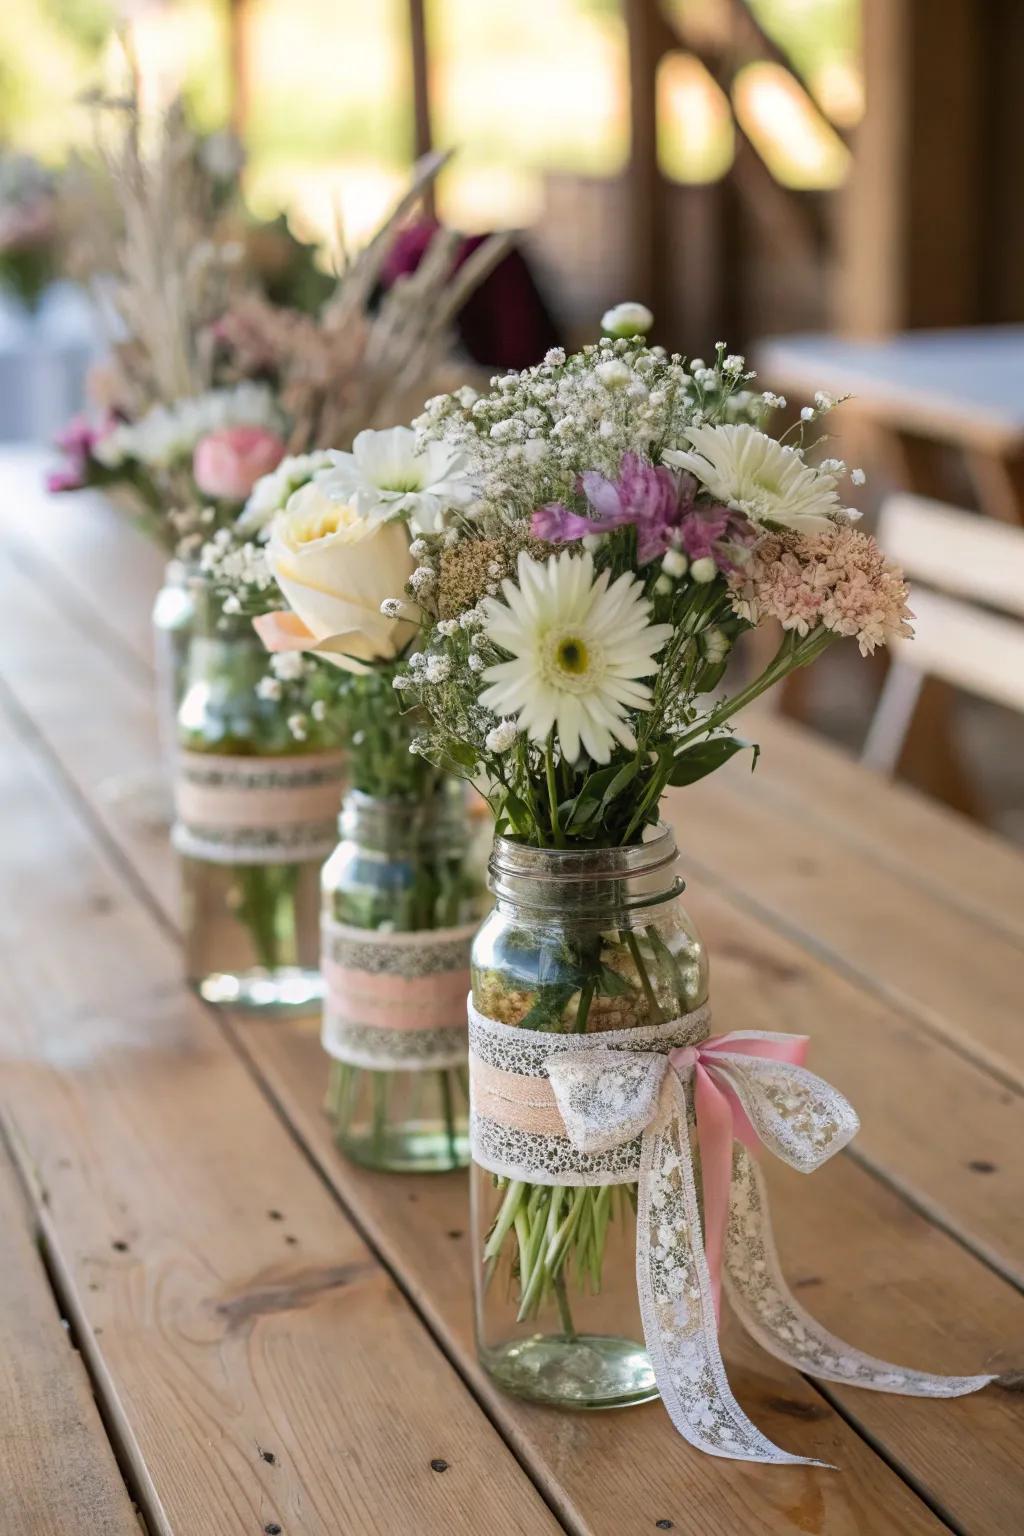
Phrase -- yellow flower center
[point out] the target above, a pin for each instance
(571, 655)
(321, 523)
(569, 662)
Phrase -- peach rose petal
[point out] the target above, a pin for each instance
(284, 631)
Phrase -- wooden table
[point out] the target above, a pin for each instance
(959, 388)
(211, 1318)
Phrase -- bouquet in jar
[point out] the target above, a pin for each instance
(331, 536)
(631, 515)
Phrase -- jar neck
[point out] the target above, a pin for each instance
(433, 822)
(599, 884)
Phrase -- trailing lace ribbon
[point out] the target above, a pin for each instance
(615, 1108)
(395, 1001)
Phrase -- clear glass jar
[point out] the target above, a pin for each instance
(579, 940)
(403, 867)
(255, 818)
(173, 618)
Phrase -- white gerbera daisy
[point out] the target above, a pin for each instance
(390, 470)
(578, 646)
(749, 470)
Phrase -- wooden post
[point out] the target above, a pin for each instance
(238, 20)
(911, 225)
(423, 137)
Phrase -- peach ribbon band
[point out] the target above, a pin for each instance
(244, 810)
(395, 1001)
(617, 1107)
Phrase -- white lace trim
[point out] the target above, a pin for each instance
(627, 1110)
(394, 1001)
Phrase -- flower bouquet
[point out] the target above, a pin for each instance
(401, 897)
(626, 517)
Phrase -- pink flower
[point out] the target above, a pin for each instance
(228, 463)
(77, 442)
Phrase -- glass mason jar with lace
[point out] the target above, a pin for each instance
(403, 893)
(580, 941)
(255, 817)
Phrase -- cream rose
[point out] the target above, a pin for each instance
(335, 566)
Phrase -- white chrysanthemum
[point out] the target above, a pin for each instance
(749, 470)
(168, 433)
(579, 645)
(391, 470)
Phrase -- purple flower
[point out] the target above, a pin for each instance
(646, 496)
(660, 504)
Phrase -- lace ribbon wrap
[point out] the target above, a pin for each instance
(257, 810)
(395, 1001)
(617, 1108)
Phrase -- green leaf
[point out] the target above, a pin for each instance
(611, 984)
(697, 762)
(546, 1013)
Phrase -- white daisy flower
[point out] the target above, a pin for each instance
(579, 645)
(271, 492)
(390, 471)
(750, 471)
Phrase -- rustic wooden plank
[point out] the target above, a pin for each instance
(884, 1277)
(966, 1180)
(57, 1468)
(598, 1496)
(952, 856)
(254, 1359)
(949, 969)
(390, 1183)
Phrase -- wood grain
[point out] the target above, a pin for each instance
(255, 1360)
(953, 972)
(762, 974)
(57, 1469)
(613, 1472)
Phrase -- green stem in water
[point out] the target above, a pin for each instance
(653, 1006)
(448, 1108)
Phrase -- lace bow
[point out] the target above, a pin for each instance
(741, 1089)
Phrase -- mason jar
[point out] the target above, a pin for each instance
(403, 893)
(255, 817)
(173, 618)
(579, 941)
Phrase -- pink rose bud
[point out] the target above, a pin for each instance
(228, 463)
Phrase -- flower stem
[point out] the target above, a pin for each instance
(549, 770)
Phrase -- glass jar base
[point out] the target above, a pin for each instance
(590, 1371)
(407, 1148)
(288, 990)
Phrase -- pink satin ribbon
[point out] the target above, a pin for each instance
(721, 1119)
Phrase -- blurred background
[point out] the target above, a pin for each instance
(832, 186)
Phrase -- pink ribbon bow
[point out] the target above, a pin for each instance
(721, 1118)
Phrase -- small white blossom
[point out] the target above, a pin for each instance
(401, 681)
(733, 363)
(268, 688)
(232, 604)
(448, 627)
(675, 563)
(808, 413)
(297, 725)
(555, 357)
(774, 402)
(858, 476)
(391, 608)
(823, 401)
(704, 570)
(318, 710)
(422, 580)
(615, 374)
(716, 644)
(417, 660)
(289, 666)
(832, 466)
(629, 319)
(418, 548)
(438, 669)
(502, 737)
(663, 586)
(476, 662)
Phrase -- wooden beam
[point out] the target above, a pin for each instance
(910, 227)
(423, 136)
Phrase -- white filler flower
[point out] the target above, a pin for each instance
(749, 470)
(390, 471)
(579, 646)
